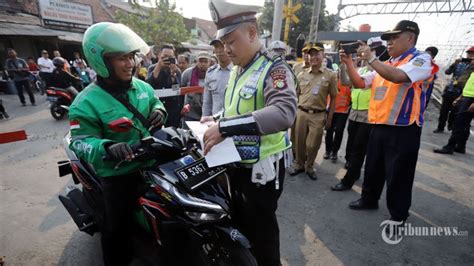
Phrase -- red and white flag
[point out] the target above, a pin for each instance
(74, 124)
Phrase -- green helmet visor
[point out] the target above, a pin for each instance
(110, 39)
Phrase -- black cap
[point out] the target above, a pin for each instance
(404, 25)
(316, 46)
(215, 41)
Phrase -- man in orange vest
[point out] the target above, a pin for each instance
(396, 108)
(335, 133)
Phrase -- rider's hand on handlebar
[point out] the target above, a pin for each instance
(120, 151)
(156, 118)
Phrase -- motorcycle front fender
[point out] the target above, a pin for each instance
(233, 235)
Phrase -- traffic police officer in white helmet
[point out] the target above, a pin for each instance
(259, 107)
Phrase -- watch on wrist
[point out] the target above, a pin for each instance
(371, 60)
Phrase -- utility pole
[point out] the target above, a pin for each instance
(277, 17)
(313, 31)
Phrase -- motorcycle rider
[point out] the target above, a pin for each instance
(111, 48)
(63, 79)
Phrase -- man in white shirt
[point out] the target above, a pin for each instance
(46, 67)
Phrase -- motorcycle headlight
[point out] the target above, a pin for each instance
(202, 217)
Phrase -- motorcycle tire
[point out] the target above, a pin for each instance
(56, 111)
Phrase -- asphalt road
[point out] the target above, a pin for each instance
(317, 227)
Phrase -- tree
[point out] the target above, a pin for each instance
(326, 22)
(158, 25)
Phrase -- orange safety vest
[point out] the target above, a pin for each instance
(397, 104)
(343, 98)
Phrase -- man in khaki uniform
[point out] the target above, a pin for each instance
(316, 84)
(297, 68)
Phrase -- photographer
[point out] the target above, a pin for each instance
(163, 75)
(396, 110)
(461, 70)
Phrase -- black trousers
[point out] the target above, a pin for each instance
(392, 154)
(254, 213)
(462, 125)
(360, 133)
(120, 194)
(26, 85)
(446, 112)
(335, 133)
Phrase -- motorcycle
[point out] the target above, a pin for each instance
(60, 100)
(182, 195)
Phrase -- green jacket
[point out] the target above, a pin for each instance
(89, 116)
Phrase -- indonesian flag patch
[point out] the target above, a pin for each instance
(74, 124)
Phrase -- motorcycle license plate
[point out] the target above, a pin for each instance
(197, 173)
(52, 99)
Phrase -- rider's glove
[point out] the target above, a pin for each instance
(120, 151)
(156, 118)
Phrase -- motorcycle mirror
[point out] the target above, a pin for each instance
(123, 124)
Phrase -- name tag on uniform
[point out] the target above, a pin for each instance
(315, 90)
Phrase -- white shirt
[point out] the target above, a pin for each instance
(416, 69)
(46, 65)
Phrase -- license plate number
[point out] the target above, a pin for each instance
(197, 173)
(52, 99)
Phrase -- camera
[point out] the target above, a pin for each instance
(170, 60)
(350, 48)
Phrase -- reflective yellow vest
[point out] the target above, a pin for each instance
(244, 94)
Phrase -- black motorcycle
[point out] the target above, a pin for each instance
(182, 195)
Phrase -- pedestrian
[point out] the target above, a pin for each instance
(396, 112)
(195, 76)
(359, 127)
(46, 66)
(183, 62)
(78, 59)
(18, 70)
(297, 68)
(428, 84)
(335, 133)
(66, 66)
(453, 90)
(32, 66)
(164, 75)
(316, 84)
(91, 137)
(3, 111)
(462, 124)
(278, 47)
(259, 107)
(217, 78)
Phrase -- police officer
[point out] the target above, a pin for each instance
(259, 107)
(216, 81)
(396, 111)
(297, 68)
(462, 124)
(110, 49)
(461, 70)
(316, 84)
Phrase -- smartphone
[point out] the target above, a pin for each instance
(350, 48)
(466, 60)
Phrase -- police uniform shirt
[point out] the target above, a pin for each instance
(279, 93)
(216, 81)
(315, 87)
(416, 69)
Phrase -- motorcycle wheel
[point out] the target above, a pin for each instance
(227, 255)
(56, 111)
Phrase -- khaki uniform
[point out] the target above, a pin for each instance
(314, 88)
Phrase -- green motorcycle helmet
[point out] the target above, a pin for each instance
(112, 39)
